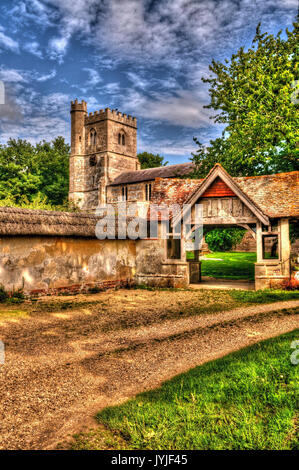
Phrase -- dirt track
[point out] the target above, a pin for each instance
(62, 367)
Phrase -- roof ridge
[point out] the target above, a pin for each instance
(158, 167)
(146, 174)
(267, 176)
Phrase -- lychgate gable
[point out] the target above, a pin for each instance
(223, 202)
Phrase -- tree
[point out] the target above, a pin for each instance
(254, 94)
(53, 167)
(224, 239)
(149, 160)
(37, 172)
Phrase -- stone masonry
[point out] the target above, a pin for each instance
(103, 145)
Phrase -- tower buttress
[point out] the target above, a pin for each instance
(77, 157)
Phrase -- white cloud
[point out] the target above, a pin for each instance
(35, 129)
(24, 76)
(166, 46)
(173, 147)
(290, 3)
(7, 42)
(170, 31)
(11, 76)
(112, 88)
(33, 117)
(44, 78)
(184, 108)
(93, 77)
(139, 81)
(58, 47)
(10, 111)
(55, 103)
(26, 11)
(175, 33)
(33, 48)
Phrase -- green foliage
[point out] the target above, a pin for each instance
(263, 296)
(34, 174)
(37, 202)
(254, 96)
(14, 297)
(246, 400)
(3, 294)
(224, 239)
(294, 231)
(149, 160)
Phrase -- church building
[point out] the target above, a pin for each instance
(103, 165)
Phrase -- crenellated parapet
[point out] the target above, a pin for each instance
(111, 114)
(77, 106)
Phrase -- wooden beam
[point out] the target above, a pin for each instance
(226, 220)
(247, 227)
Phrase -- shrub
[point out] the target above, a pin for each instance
(224, 239)
(15, 297)
(291, 284)
(3, 294)
(294, 231)
(95, 290)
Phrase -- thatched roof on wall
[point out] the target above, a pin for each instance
(149, 174)
(17, 221)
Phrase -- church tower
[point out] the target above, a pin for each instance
(103, 145)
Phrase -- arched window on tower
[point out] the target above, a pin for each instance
(121, 138)
(92, 138)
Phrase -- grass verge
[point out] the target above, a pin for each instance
(233, 265)
(264, 296)
(246, 400)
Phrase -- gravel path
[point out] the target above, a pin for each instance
(61, 368)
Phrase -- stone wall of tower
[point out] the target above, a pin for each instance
(97, 155)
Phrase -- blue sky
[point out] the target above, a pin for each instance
(144, 57)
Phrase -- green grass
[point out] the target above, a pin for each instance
(264, 296)
(234, 265)
(246, 400)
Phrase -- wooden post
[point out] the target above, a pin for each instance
(285, 247)
(259, 242)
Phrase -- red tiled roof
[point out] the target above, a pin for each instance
(173, 191)
(276, 195)
(218, 189)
